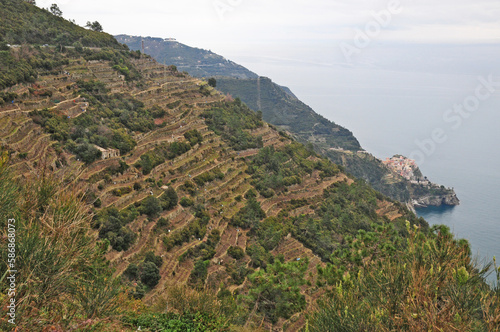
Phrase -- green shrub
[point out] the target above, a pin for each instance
(259, 257)
(212, 82)
(85, 151)
(151, 206)
(275, 291)
(186, 202)
(150, 275)
(189, 187)
(169, 199)
(163, 152)
(385, 282)
(238, 271)
(199, 273)
(269, 233)
(113, 227)
(195, 322)
(205, 250)
(140, 291)
(132, 272)
(122, 191)
(193, 136)
(236, 252)
(196, 228)
(249, 215)
(208, 176)
(162, 224)
(151, 257)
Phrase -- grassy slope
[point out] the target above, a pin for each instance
(22, 23)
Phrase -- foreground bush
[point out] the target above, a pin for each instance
(426, 282)
(62, 279)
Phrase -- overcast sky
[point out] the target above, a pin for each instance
(224, 25)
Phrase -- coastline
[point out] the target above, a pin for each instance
(423, 192)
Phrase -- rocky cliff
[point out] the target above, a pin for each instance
(436, 200)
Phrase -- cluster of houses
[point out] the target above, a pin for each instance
(402, 166)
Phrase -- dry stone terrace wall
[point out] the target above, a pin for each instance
(26, 141)
(180, 97)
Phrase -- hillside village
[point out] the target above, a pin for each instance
(406, 168)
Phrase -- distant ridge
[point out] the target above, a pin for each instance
(283, 109)
(196, 61)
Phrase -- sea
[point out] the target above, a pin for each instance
(437, 104)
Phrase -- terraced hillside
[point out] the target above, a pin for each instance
(282, 108)
(201, 184)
